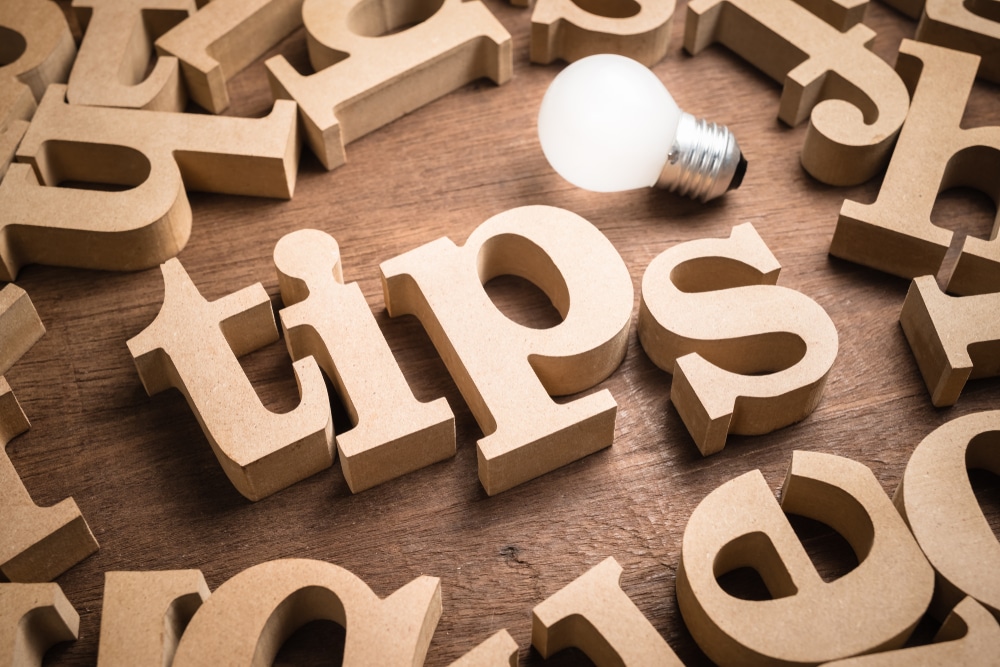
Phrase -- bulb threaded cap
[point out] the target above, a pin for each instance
(704, 161)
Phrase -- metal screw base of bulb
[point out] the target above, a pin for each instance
(704, 162)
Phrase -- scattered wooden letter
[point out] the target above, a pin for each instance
(873, 607)
(595, 615)
(145, 613)
(366, 78)
(507, 372)
(194, 345)
(969, 637)
(224, 37)
(747, 356)
(34, 617)
(573, 29)
(38, 543)
(934, 153)
(158, 154)
(248, 618)
(393, 432)
(954, 339)
(110, 70)
(937, 501)
(16, 108)
(970, 25)
(38, 49)
(855, 101)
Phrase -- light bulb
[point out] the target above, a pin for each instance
(607, 124)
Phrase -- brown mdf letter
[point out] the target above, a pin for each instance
(969, 637)
(747, 356)
(505, 371)
(33, 617)
(20, 326)
(937, 501)
(110, 70)
(873, 607)
(39, 543)
(222, 38)
(500, 650)
(393, 432)
(158, 154)
(16, 108)
(36, 46)
(969, 25)
(954, 339)
(195, 345)
(145, 614)
(366, 77)
(38, 49)
(934, 153)
(854, 99)
(250, 616)
(595, 615)
(571, 29)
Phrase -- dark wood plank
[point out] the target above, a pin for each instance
(143, 474)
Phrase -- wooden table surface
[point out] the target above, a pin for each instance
(143, 474)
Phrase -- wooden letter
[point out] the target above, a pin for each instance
(20, 326)
(573, 29)
(856, 102)
(393, 433)
(38, 49)
(194, 345)
(224, 37)
(969, 637)
(873, 607)
(36, 45)
(934, 153)
(970, 25)
(38, 543)
(33, 617)
(145, 614)
(506, 371)
(150, 151)
(747, 356)
(595, 615)
(250, 616)
(954, 339)
(938, 503)
(911, 8)
(115, 53)
(16, 108)
(366, 78)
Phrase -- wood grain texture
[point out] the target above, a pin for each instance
(154, 495)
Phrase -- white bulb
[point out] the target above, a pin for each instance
(608, 124)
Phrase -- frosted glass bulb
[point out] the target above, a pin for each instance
(608, 124)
